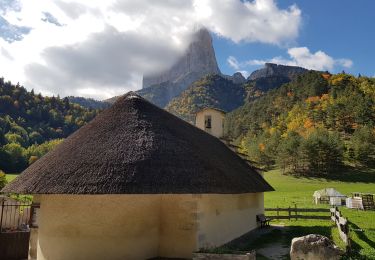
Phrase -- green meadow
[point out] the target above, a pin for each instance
(292, 190)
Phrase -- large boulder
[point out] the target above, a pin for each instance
(314, 247)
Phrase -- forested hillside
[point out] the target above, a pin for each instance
(210, 91)
(31, 125)
(314, 124)
(89, 102)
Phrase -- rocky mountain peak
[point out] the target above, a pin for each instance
(199, 60)
(271, 69)
(236, 78)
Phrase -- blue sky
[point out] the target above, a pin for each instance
(340, 28)
(101, 49)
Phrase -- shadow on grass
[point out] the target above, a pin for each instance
(283, 235)
(344, 174)
(266, 237)
(362, 236)
(351, 174)
(256, 239)
(298, 231)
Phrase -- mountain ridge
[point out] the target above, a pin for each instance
(273, 69)
(89, 102)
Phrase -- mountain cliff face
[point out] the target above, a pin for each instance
(275, 70)
(198, 61)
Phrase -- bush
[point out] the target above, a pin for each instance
(3, 180)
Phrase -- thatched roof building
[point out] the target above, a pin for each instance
(139, 183)
(135, 147)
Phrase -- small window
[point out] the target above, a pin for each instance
(207, 122)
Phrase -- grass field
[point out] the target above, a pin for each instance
(10, 177)
(292, 190)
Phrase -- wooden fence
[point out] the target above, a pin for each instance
(14, 214)
(342, 225)
(297, 213)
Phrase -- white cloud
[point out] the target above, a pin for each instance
(244, 73)
(7, 5)
(250, 21)
(104, 47)
(234, 63)
(238, 66)
(298, 56)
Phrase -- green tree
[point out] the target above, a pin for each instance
(5, 160)
(3, 180)
(323, 151)
(363, 145)
(35, 151)
(262, 149)
(289, 153)
(35, 138)
(18, 160)
(13, 138)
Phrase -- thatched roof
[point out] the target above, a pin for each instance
(135, 147)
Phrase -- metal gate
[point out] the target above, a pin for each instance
(14, 228)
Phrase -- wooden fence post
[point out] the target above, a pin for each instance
(289, 212)
(349, 241)
(2, 213)
(277, 212)
(295, 207)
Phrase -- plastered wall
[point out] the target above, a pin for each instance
(141, 226)
(223, 218)
(178, 226)
(98, 227)
(217, 120)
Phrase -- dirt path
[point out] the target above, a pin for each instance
(268, 242)
(274, 251)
